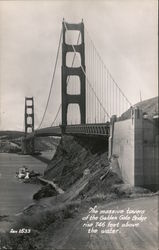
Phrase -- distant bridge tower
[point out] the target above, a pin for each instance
(29, 115)
(28, 144)
(79, 99)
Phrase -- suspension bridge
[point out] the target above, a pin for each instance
(84, 91)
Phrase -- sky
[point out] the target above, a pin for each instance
(123, 31)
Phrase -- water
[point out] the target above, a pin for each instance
(14, 194)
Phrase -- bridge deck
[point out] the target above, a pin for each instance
(101, 129)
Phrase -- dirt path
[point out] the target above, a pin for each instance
(73, 236)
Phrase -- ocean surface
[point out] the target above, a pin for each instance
(14, 193)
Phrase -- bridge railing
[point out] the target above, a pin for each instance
(100, 129)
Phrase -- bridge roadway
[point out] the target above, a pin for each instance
(101, 129)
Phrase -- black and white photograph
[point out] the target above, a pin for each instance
(79, 125)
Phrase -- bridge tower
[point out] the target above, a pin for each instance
(29, 115)
(28, 144)
(67, 99)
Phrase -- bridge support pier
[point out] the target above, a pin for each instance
(63, 128)
(28, 146)
(24, 146)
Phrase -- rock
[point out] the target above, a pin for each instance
(46, 191)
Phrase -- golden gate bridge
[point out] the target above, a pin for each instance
(87, 93)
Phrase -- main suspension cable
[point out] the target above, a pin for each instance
(52, 81)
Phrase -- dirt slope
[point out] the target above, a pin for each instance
(72, 235)
(45, 143)
(78, 165)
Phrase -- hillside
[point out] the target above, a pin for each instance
(149, 106)
(75, 157)
(10, 142)
(10, 134)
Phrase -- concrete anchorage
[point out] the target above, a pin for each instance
(134, 144)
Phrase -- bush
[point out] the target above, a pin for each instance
(37, 222)
(126, 190)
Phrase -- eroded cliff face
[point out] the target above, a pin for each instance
(81, 165)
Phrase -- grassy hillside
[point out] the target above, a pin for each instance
(149, 106)
(11, 134)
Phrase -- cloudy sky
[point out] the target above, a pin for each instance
(123, 31)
